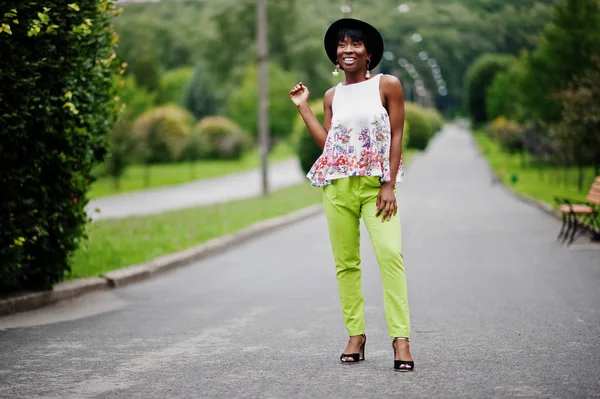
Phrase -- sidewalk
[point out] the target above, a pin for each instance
(201, 192)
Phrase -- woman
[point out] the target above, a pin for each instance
(362, 150)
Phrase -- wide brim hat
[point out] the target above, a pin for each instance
(375, 39)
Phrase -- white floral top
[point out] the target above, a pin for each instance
(358, 142)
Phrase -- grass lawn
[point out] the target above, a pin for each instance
(176, 173)
(542, 183)
(114, 244)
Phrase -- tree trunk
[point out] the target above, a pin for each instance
(147, 176)
(580, 173)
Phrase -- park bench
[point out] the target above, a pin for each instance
(578, 216)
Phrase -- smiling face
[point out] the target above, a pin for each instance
(352, 52)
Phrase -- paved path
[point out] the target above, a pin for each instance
(499, 310)
(201, 192)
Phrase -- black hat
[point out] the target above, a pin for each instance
(375, 39)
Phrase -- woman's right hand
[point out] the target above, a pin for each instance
(299, 94)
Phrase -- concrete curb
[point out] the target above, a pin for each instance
(135, 273)
(61, 291)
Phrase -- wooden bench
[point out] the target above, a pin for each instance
(580, 215)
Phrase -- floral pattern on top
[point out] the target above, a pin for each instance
(354, 153)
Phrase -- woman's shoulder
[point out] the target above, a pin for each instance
(328, 97)
(390, 80)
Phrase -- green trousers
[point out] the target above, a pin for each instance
(345, 201)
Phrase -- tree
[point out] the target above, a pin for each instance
(243, 105)
(578, 133)
(479, 78)
(147, 73)
(201, 97)
(565, 51)
(56, 106)
(503, 97)
(173, 85)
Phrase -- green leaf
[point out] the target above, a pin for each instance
(73, 6)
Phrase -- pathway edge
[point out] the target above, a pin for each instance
(135, 273)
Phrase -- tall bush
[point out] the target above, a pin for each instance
(56, 106)
(201, 96)
(479, 77)
(504, 96)
(421, 128)
(215, 137)
(161, 133)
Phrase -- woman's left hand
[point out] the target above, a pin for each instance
(386, 202)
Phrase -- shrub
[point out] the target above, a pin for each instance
(120, 146)
(215, 137)
(508, 133)
(161, 133)
(173, 85)
(243, 103)
(137, 100)
(435, 119)
(479, 77)
(201, 96)
(504, 96)
(147, 73)
(57, 104)
(306, 147)
(420, 126)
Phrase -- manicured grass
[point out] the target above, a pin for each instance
(114, 244)
(177, 173)
(542, 183)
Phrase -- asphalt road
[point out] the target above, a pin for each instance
(499, 309)
(231, 187)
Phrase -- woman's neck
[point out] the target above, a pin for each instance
(355, 77)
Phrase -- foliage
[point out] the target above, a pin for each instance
(243, 104)
(120, 147)
(479, 78)
(565, 51)
(503, 97)
(201, 96)
(137, 100)
(173, 85)
(578, 133)
(435, 119)
(306, 147)
(162, 132)
(508, 134)
(215, 137)
(421, 129)
(56, 106)
(147, 73)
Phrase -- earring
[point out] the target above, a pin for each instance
(336, 72)
(368, 74)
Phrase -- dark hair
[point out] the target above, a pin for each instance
(355, 35)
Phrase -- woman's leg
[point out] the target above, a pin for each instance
(386, 239)
(341, 204)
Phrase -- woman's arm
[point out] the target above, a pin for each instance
(299, 95)
(392, 90)
(395, 106)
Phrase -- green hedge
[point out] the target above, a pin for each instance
(56, 106)
(306, 147)
(421, 128)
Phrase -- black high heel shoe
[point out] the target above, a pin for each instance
(356, 357)
(409, 365)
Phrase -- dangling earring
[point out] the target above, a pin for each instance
(336, 72)
(368, 74)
